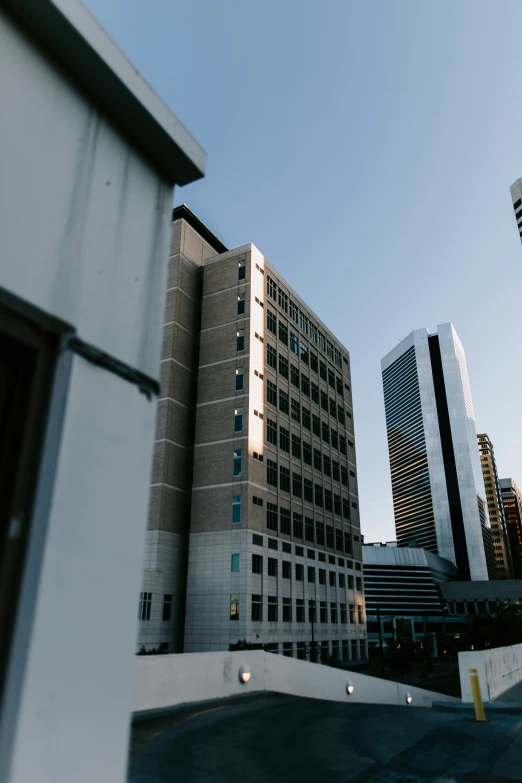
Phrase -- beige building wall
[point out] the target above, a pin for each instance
(497, 519)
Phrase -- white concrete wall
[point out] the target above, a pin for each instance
(163, 681)
(498, 670)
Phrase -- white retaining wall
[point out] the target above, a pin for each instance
(498, 670)
(164, 681)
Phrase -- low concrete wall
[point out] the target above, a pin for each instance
(498, 670)
(164, 681)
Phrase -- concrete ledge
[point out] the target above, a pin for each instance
(496, 708)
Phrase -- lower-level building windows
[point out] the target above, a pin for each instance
(301, 651)
(355, 649)
(288, 649)
(257, 564)
(145, 605)
(236, 509)
(257, 608)
(234, 565)
(346, 653)
(272, 566)
(323, 616)
(167, 607)
(335, 650)
(299, 610)
(234, 607)
(287, 610)
(284, 521)
(333, 612)
(272, 648)
(237, 462)
(344, 614)
(272, 609)
(271, 516)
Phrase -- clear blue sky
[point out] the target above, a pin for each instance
(367, 149)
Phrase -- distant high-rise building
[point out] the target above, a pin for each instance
(437, 484)
(516, 197)
(495, 508)
(512, 502)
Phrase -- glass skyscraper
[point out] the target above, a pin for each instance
(438, 489)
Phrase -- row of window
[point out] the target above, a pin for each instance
(296, 610)
(314, 533)
(334, 577)
(145, 605)
(273, 543)
(321, 651)
(303, 488)
(301, 319)
(303, 450)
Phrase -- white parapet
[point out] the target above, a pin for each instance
(498, 670)
(167, 681)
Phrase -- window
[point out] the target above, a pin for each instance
(283, 366)
(328, 502)
(284, 402)
(307, 453)
(271, 322)
(284, 521)
(283, 301)
(255, 500)
(309, 529)
(298, 525)
(339, 385)
(236, 509)
(311, 574)
(296, 446)
(294, 344)
(294, 312)
(241, 305)
(313, 332)
(315, 392)
(360, 614)
(287, 569)
(322, 370)
(167, 607)
(308, 491)
(335, 470)
(331, 577)
(340, 415)
(337, 357)
(257, 564)
(304, 323)
(342, 445)
(337, 505)
(257, 539)
(329, 349)
(358, 583)
(316, 425)
(271, 473)
(271, 357)
(299, 572)
(354, 505)
(271, 432)
(299, 616)
(331, 378)
(305, 384)
(318, 462)
(350, 582)
(333, 612)
(305, 417)
(241, 270)
(239, 379)
(325, 432)
(312, 618)
(295, 410)
(238, 419)
(322, 576)
(318, 495)
(326, 465)
(344, 475)
(324, 401)
(342, 578)
(348, 545)
(257, 608)
(304, 353)
(271, 516)
(240, 340)
(234, 563)
(322, 341)
(297, 485)
(323, 618)
(346, 509)
(284, 478)
(333, 409)
(284, 439)
(329, 537)
(237, 462)
(333, 437)
(294, 375)
(272, 566)
(272, 609)
(271, 393)
(234, 607)
(313, 361)
(283, 333)
(287, 618)
(319, 533)
(271, 287)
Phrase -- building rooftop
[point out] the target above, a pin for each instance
(184, 213)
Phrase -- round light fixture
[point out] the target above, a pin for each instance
(409, 698)
(350, 687)
(244, 674)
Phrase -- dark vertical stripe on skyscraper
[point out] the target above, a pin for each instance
(448, 456)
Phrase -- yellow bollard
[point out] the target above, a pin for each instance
(477, 696)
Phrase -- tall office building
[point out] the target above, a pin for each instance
(495, 508)
(437, 485)
(255, 483)
(516, 198)
(512, 502)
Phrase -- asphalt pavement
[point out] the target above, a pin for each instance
(282, 739)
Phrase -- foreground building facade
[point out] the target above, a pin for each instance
(272, 532)
(437, 485)
(496, 514)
